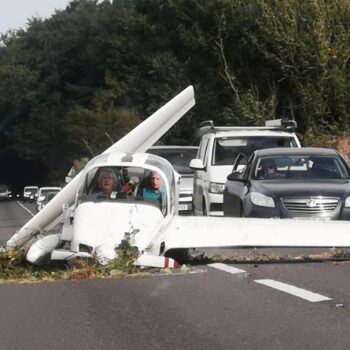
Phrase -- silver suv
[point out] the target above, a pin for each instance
(218, 150)
(41, 200)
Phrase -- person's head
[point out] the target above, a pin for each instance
(156, 181)
(107, 180)
(269, 166)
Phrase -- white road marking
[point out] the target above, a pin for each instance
(298, 292)
(227, 268)
(20, 204)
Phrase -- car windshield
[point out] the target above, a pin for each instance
(31, 190)
(179, 158)
(226, 149)
(44, 192)
(49, 196)
(300, 167)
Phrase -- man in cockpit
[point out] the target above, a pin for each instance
(156, 189)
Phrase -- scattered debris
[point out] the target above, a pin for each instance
(15, 269)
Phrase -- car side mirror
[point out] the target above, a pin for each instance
(197, 164)
(236, 175)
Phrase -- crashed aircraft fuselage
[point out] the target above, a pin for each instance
(96, 224)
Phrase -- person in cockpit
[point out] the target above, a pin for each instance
(156, 189)
(107, 183)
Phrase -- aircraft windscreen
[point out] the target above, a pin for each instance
(124, 184)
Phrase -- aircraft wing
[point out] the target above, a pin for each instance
(210, 232)
(137, 140)
(146, 134)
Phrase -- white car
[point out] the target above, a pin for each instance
(5, 193)
(41, 201)
(218, 150)
(179, 157)
(30, 193)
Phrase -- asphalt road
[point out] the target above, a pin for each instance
(206, 309)
(14, 214)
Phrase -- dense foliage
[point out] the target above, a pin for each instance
(72, 84)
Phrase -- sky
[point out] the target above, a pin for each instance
(14, 14)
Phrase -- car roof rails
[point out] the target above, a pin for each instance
(283, 124)
(206, 126)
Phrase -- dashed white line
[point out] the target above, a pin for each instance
(298, 292)
(20, 204)
(283, 287)
(227, 268)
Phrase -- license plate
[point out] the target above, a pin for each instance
(183, 207)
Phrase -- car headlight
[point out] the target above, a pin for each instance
(216, 187)
(262, 200)
(347, 202)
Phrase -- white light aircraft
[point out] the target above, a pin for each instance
(94, 225)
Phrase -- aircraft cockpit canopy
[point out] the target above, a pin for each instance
(132, 184)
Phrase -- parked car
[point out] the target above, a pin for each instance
(47, 199)
(180, 157)
(30, 193)
(5, 193)
(218, 150)
(289, 183)
(42, 196)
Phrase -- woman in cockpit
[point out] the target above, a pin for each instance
(107, 183)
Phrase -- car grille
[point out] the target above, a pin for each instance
(185, 194)
(311, 206)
